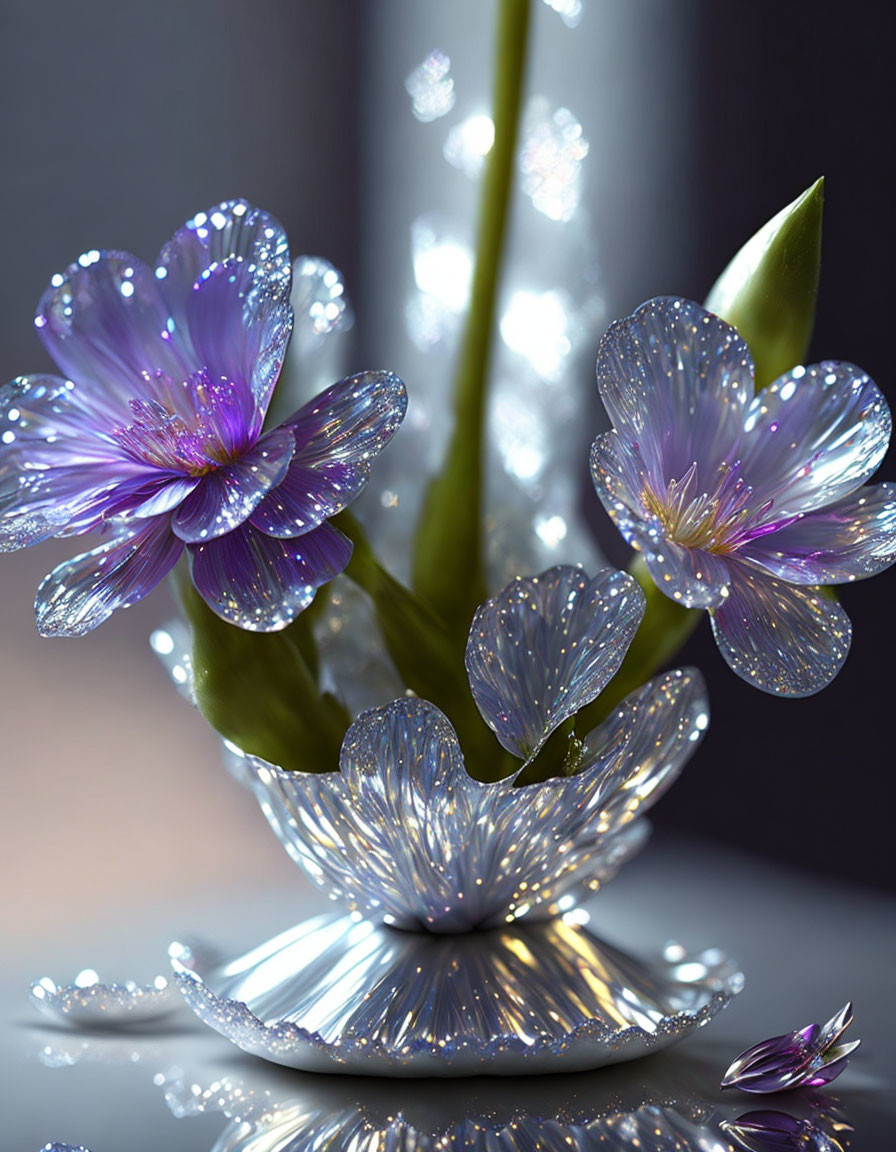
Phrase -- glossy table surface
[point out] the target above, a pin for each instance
(806, 947)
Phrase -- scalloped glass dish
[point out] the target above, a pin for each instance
(340, 994)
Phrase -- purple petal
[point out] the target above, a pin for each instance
(106, 326)
(848, 540)
(85, 591)
(644, 745)
(56, 473)
(786, 640)
(260, 583)
(813, 437)
(619, 474)
(545, 647)
(676, 381)
(771, 1065)
(338, 434)
(228, 495)
(225, 279)
(806, 1058)
(161, 497)
(694, 578)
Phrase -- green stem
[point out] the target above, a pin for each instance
(427, 658)
(449, 570)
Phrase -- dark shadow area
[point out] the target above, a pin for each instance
(788, 92)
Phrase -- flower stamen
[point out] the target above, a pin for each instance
(718, 521)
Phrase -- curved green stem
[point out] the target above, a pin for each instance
(449, 570)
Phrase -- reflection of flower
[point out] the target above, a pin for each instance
(806, 1058)
(779, 1132)
(403, 831)
(744, 504)
(157, 432)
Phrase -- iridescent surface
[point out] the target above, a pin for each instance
(98, 1089)
(744, 504)
(89, 1003)
(546, 647)
(157, 437)
(301, 1121)
(342, 995)
(807, 1058)
(403, 833)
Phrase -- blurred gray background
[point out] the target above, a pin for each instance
(121, 120)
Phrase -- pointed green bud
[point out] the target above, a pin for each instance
(768, 290)
(258, 691)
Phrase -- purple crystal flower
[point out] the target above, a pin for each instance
(744, 504)
(807, 1058)
(155, 434)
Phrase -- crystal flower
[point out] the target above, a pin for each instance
(807, 1058)
(744, 504)
(155, 434)
(403, 832)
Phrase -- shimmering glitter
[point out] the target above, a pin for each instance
(551, 159)
(468, 144)
(88, 1003)
(536, 325)
(404, 833)
(338, 995)
(431, 88)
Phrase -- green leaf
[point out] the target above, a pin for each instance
(257, 690)
(768, 290)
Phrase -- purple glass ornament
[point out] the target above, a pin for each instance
(806, 1058)
(155, 436)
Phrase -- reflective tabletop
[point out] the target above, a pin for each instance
(805, 945)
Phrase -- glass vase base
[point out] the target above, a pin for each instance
(339, 994)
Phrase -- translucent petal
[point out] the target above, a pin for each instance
(641, 749)
(318, 351)
(694, 578)
(619, 472)
(676, 381)
(228, 495)
(106, 326)
(848, 540)
(786, 640)
(813, 437)
(338, 435)
(56, 472)
(545, 647)
(157, 498)
(307, 497)
(85, 591)
(225, 280)
(261, 583)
